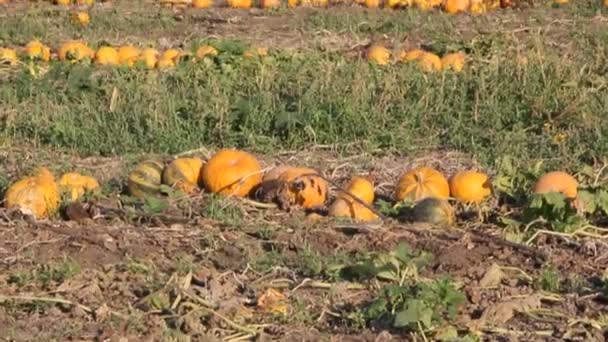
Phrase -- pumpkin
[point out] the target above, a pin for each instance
(85, 2)
(372, 3)
(561, 1)
(8, 56)
(275, 173)
(106, 55)
(509, 3)
(360, 187)
(270, 3)
(165, 63)
(378, 54)
(434, 211)
(470, 186)
(128, 55)
(455, 6)
(399, 3)
(477, 7)
(293, 3)
(425, 5)
(453, 61)
(606, 3)
(202, 3)
(75, 185)
(171, 54)
(346, 206)
(37, 195)
(145, 179)
(62, 2)
(420, 183)
(36, 50)
(255, 52)
(205, 50)
(240, 3)
(412, 55)
(149, 57)
(557, 181)
(429, 62)
(232, 172)
(81, 18)
(75, 50)
(304, 187)
(183, 174)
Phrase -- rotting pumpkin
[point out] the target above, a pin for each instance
(232, 172)
(183, 174)
(303, 187)
(434, 211)
(37, 195)
(145, 179)
(73, 185)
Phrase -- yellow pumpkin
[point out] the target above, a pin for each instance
(434, 211)
(421, 183)
(255, 52)
(372, 3)
(204, 51)
(470, 186)
(36, 50)
(128, 55)
(149, 57)
(399, 3)
(232, 172)
(293, 3)
(75, 185)
(37, 195)
(75, 50)
(561, 1)
(240, 3)
(183, 174)
(453, 61)
(455, 6)
(425, 5)
(165, 63)
(429, 62)
(62, 2)
(411, 55)
(557, 181)
(477, 7)
(360, 187)
(171, 54)
(270, 3)
(8, 56)
(81, 18)
(202, 3)
(378, 54)
(106, 55)
(346, 206)
(145, 179)
(85, 2)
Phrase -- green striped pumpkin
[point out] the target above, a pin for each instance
(145, 179)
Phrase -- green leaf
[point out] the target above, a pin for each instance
(510, 222)
(556, 199)
(153, 205)
(589, 201)
(417, 311)
(403, 253)
(602, 200)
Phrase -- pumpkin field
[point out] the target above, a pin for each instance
(304, 170)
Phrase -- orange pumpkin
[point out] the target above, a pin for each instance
(275, 172)
(429, 62)
(470, 186)
(204, 51)
(453, 61)
(232, 172)
(82, 18)
(346, 206)
(149, 57)
(106, 55)
(372, 3)
(36, 50)
(255, 52)
(37, 195)
(62, 2)
(304, 187)
(75, 185)
(128, 55)
(75, 50)
(378, 54)
(455, 6)
(412, 55)
(202, 3)
(270, 3)
(240, 3)
(183, 174)
(557, 181)
(8, 56)
(434, 211)
(421, 183)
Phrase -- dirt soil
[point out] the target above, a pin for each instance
(144, 277)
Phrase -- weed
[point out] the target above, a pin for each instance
(46, 274)
(549, 279)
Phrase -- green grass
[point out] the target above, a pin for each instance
(497, 107)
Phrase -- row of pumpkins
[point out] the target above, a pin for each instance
(232, 172)
(449, 6)
(128, 55)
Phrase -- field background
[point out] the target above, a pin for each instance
(532, 98)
